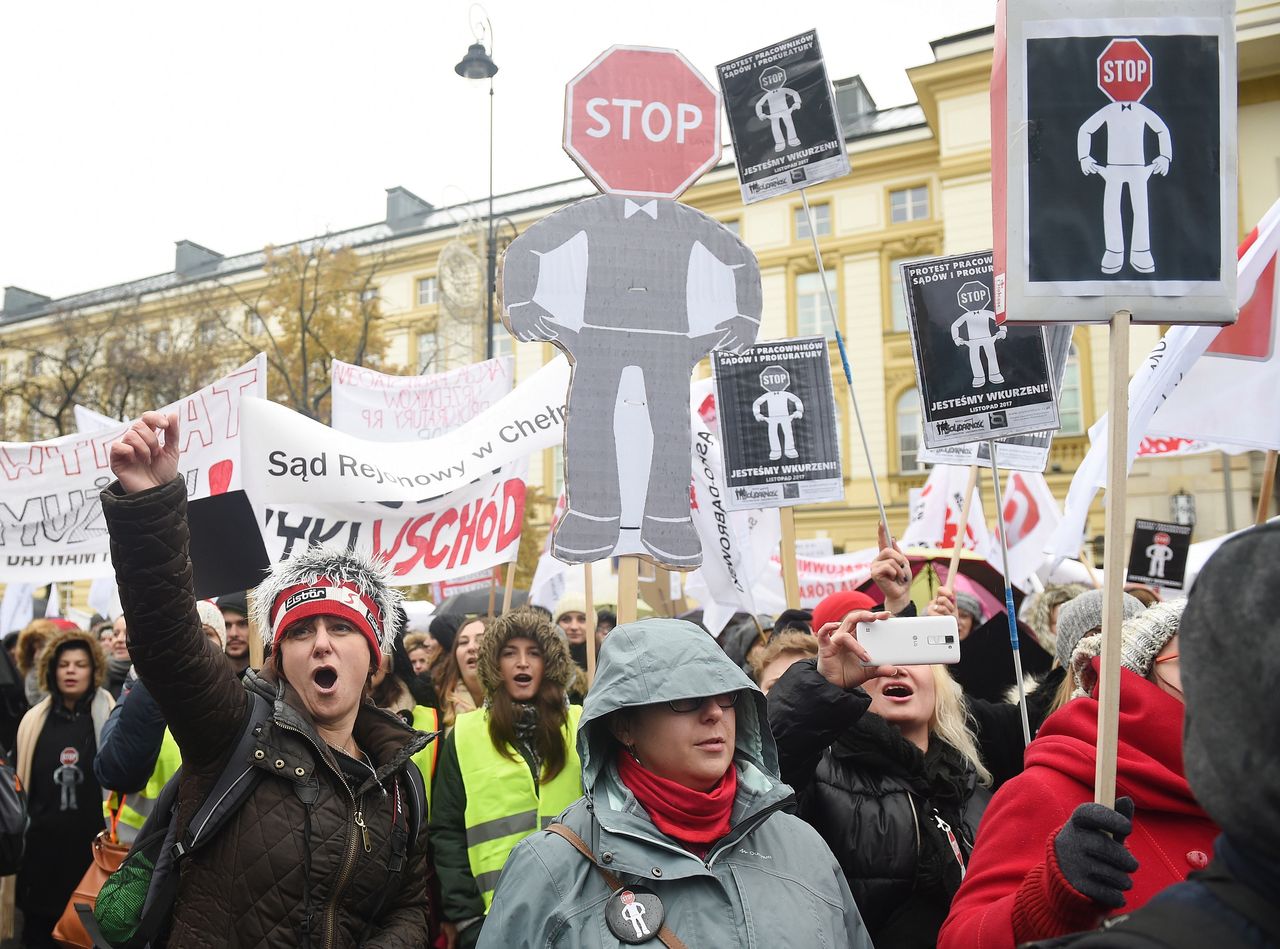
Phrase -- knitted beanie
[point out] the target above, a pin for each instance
(1141, 640)
(1229, 670)
(1082, 615)
(321, 581)
(835, 607)
(211, 616)
(444, 629)
(970, 604)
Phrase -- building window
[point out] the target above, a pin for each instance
(897, 305)
(557, 472)
(811, 305)
(207, 332)
(369, 295)
(253, 325)
(164, 340)
(909, 204)
(428, 344)
(821, 221)
(503, 342)
(1070, 403)
(908, 415)
(428, 291)
(734, 225)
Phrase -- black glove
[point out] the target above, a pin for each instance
(1091, 851)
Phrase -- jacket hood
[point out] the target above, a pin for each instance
(1149, 758)
(557, 666)
(658, 660)
(59, 641)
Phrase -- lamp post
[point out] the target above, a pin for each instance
(478, 64)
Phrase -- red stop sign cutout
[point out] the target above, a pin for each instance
(1162, 539)
(1124, 71)
(642, 121)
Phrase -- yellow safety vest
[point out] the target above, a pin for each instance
(427, 719)
(504, 806)
(137, 807)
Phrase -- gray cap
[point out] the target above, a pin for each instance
(971, 605)
(1141, 640)
(1230, 667)
(1081, 614)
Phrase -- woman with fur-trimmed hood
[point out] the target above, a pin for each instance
(508, 768)
(321, 852)
(57, 742)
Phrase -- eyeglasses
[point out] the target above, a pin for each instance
(1167, 658)
(684, 706)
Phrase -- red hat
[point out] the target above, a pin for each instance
(327, 597)
(837, 606)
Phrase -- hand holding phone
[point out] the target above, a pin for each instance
(910, 641)
(842, 660)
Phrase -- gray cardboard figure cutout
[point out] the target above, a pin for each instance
(635, 292)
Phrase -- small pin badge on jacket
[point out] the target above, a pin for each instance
(634, 914)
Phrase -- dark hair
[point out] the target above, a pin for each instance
(61, 649)
(548, 733)
(606, 618)
(445, 673)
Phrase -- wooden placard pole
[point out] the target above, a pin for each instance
(628, 579)
(588, 594)
(493, 591)
(963, 526)
(1088, 566)
(790, 570)
(1113, 560)
(1268, 488)
(256, 657)
(508, 588)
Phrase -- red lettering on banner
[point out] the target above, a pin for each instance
(512, 513)
(468, 517)
(13, 464)
(436, 554)
(233, 389)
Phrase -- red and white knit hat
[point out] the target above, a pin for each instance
(320, 581)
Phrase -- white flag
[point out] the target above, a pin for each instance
(937, 519)
(1028, 520)
(1175, 358)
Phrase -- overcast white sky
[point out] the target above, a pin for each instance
(128, 126)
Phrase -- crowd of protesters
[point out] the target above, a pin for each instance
(464, 785)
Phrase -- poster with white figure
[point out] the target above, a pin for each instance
(635, 292)
(977, 379)
(782, 118)
(1117, 188)
(1158, 555)
(778, 424)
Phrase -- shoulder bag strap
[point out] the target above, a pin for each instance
(665, 935)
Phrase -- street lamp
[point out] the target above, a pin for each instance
(1182, 506)
(478, 64)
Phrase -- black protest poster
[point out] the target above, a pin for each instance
(1158, 556)
(782, 117)
(777, 417)
(978, 380)
(227, 552)
(1124, 161)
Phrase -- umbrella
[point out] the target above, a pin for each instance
(929, 568)
(476, 602)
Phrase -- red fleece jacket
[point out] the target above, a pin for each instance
(1014, 891)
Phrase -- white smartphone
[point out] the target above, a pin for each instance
(911, 641)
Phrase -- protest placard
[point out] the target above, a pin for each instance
(1158, 554)
(977, 380)
(777, 419)
(782, 118)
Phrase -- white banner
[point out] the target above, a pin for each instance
(289, 457)
(736, 545)
(51, 525)
(87, 420)
(385, 408)
(551, 576)
(822, 576)
(935, 522)
(472, 529)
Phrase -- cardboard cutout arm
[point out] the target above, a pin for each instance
(755, 407)
(724, 296)
(1160, 165)
(544, 279)
(1084, 141)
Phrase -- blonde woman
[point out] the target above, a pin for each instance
(887, 771)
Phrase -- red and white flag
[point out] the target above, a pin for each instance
(936, 521)
(1232, 392)
(1029, 518)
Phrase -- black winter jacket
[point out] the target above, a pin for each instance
(878, 802)
(131, 739)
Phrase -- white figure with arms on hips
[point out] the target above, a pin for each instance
(778, 408)
(1159, 553)
(633, 912)
(978, 322)
(1126, 122)
(776, 106)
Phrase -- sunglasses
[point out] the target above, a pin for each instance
(684, 706)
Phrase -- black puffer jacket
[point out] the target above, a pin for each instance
(878, 802)
(294, 849)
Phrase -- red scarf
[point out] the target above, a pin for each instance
(689, 816)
